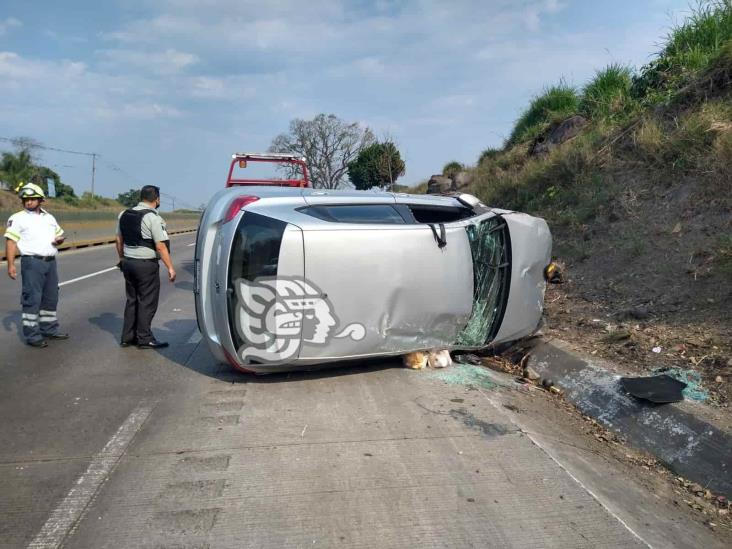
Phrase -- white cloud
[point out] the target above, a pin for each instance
(455, 101)
(9, 23)
(138, 111)
(370, 66)
(232, 88)
(15, 70)
(166, 62)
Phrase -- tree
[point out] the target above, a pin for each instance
(20, 167)
(451, 169)
(328, 145)
(378, 165)
(130, 198)
(15, 168)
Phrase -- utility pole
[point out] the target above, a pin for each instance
(94, 169)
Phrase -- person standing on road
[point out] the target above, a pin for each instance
(35, 234)
(141, 241)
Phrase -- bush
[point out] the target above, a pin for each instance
(608, 95)
(555, 104)
(69, 199)
(452, 168)
(690, 48)
(489, 154)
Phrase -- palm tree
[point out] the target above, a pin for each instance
(15, 168)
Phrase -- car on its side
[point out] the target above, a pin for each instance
(299, 278)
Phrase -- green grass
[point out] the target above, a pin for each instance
(554, 104)
(608, 96)
(690, 47)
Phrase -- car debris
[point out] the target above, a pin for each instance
(660, 389)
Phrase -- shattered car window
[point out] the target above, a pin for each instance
(490, 249)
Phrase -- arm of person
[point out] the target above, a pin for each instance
(160, 237)
(165, 258)
(120, 245)
(59, 236)
(11, 250)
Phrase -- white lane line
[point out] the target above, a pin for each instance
(600, 500)
(195, 337)
(191, 244)
(86, 276)
(72, 508)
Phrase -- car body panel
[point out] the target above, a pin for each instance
(411, 270)
(531, 244)
(388, 288)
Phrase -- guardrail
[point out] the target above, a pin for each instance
(96, 242)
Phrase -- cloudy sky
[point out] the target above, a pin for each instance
(166, 90)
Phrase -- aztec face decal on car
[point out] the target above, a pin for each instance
(276, 314)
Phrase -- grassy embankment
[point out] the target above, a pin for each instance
(640, 202)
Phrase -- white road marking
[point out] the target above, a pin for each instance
(191, 244)
(72, 508)
(95, 274)
(547, 452)
(86, 276)
(195, 337)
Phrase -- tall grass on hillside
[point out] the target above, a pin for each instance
(556, 103)
(689, 49)
(608, 96)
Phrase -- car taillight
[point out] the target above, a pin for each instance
(236, 206)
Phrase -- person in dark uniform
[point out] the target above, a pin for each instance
(141, 241)
(35, 234)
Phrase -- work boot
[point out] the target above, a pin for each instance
(39, 343)
(154, 344)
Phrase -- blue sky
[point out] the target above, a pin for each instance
(166, 90)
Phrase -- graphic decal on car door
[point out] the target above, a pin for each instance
(276, 314)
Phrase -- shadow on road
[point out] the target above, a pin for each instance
(194, 355)
(185, 285)
(203, 362)
(12, 323)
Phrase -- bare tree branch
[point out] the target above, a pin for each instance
(328, 144)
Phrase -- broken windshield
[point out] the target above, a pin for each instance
(489, 246)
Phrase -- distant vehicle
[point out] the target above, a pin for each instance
(289, 278)
(296, 164)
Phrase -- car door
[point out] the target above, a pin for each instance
(488, 239)
(386, 286)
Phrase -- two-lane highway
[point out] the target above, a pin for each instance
(102, 446)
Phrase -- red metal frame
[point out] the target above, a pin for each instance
(273, 159)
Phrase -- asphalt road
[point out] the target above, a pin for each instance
(108, 447)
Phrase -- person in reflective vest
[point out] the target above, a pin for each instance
(35, 234)
(141, 242)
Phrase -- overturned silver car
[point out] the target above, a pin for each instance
(297, 278)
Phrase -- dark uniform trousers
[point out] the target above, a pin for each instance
(142, 285)
(39, 298)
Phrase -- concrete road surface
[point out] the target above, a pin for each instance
(108, 447)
